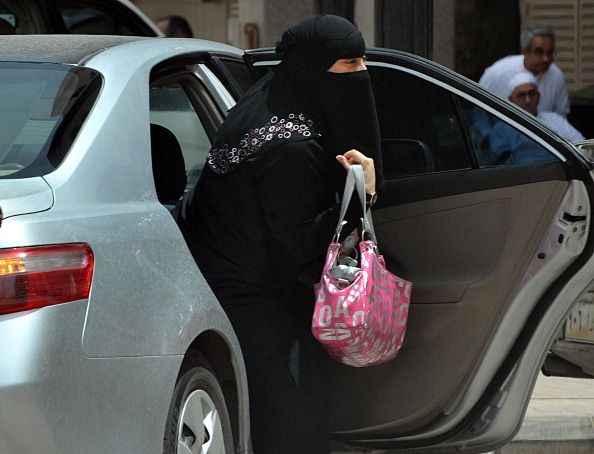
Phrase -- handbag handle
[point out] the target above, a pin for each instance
(355, 181)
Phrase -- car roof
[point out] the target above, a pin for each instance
(71, 49)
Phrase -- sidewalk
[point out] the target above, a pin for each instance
(559, 420)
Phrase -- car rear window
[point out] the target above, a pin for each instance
(43, 107)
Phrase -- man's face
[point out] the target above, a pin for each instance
(526, 96)
(538, 58)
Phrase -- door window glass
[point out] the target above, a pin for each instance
(21, 17)
(90, 21)
(82, 17)
(498, 143)
(8, 20)
(240, 73)
(171, 108)
(420, 129)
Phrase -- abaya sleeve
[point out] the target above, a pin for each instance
(298, 193)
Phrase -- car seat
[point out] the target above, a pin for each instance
(169, 170)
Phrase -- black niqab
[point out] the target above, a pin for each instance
(300, 99)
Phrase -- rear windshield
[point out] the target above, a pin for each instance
(43, 107)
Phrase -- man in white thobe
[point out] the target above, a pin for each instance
(538, 48)
(523, 90)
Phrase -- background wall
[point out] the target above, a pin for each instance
(465, 35)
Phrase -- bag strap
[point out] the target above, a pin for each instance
(355, 181)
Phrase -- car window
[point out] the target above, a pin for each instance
(20, 17)
(8, 19)
(43, 107)
(87, 18)
(498, 143)
(240, 72)
(171, 108)
(72, 16)
(420, 129)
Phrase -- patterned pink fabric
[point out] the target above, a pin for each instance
(362, 323)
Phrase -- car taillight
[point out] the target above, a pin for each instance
(39, 276)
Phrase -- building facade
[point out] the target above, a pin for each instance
(465, 35)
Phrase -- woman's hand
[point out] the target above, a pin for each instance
(356, 157)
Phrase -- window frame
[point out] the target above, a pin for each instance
(206, 108)
(507, 115)
(439, 104)
(208, 113)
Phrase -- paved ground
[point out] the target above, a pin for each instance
(559, 420)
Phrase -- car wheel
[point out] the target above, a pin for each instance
(198, 421)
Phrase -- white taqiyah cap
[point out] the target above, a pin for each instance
(520, 78)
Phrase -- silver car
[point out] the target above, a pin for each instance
(112, 341)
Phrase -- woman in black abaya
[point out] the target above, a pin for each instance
(265, 209)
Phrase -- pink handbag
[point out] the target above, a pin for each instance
(361, 308)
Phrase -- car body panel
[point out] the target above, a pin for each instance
(31, 196)
(55, 403)
(132, 209)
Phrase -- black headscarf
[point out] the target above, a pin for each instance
(300, 99)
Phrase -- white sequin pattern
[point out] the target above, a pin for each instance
(225, 158)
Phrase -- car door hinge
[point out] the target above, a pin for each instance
(573, 219)
(567, 217)
(574, 235)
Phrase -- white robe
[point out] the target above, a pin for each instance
(554, 96)
(560, 125)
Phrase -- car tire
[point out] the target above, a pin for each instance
(198, 420)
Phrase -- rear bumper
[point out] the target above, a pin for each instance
(55, 400)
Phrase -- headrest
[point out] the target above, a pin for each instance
(169, 168)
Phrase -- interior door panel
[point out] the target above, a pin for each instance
(466, 255)
(463, 233)
(443, 274)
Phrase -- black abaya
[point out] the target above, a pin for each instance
(265, 210)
